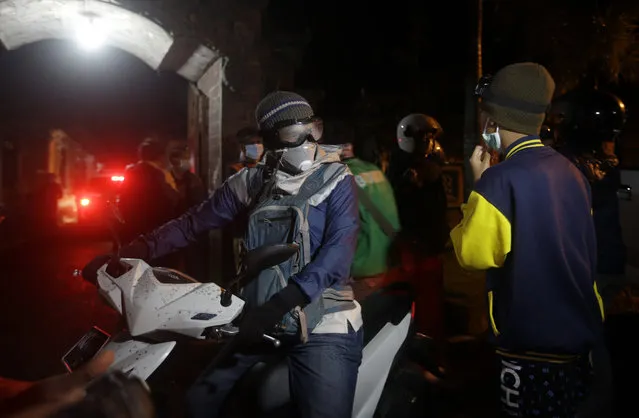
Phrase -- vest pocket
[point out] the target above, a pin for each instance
(493, 325)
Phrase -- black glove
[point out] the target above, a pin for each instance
(137, 249)
(259, 320)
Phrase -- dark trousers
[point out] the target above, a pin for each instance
(426, 274)
(322, 378)
(531, 388)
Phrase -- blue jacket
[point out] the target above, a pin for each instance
(333, 226)
(528, 223)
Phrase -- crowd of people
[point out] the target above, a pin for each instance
(528, 223)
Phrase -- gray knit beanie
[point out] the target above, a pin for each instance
(280, 106)
(519, 96)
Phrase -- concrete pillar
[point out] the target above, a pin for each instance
(207, 105)
(195, 125)
(211, 86)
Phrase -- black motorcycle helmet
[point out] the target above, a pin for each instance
(585, 118)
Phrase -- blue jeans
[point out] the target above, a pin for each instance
(322, 378)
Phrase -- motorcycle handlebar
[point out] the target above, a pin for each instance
(232, 331)
(276, 343)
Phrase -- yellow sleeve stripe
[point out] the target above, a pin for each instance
(482, 240)
(533, 143)
(600, 302)
(493, 325)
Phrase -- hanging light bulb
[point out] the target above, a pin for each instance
(90, 32)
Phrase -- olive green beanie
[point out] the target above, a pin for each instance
(519, 96)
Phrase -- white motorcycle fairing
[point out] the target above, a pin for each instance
(377, 359)
(154, 299)
(138, 358)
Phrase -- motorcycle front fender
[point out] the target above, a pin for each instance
(139, 358)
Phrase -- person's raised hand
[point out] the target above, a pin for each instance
(479, 161)
(46, 397)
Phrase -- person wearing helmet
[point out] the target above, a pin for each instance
(415, 174)
(298, 194)
(149, 194)
(378, 217)
(528, 223)
(586, 125)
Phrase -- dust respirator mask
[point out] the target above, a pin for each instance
(294, 144)
(298, 159)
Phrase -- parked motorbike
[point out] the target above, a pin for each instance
(176, 325)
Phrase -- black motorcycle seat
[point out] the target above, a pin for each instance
(264, 389)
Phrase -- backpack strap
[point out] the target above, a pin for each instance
(313, 183)
(260, 186)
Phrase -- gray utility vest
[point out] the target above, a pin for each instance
(278, 218)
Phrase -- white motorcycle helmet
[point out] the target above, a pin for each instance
(418, 132)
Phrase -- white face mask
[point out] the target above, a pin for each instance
(254, 151)
(298, 159)
(492, 140)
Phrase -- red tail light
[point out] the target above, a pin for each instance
(117, 178)
(85, 202)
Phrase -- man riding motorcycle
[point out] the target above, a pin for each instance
(415, 174)
(298, 193)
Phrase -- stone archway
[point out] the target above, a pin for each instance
(27, 21)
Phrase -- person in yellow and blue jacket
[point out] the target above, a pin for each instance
(528, 223)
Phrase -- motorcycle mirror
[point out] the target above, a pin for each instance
(266, 256)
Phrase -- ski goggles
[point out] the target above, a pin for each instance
(292, 133)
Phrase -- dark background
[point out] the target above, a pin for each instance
(368, 62)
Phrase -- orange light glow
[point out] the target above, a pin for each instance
(117, 178)
(85, 202)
